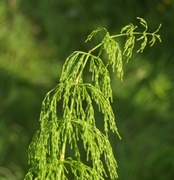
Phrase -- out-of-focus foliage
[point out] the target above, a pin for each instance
(35, 38)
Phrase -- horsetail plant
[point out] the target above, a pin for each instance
(68, 120)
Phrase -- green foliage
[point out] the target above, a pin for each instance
(68, 113)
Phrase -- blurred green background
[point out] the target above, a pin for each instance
(35, 39)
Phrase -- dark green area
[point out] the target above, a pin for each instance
(36, 37)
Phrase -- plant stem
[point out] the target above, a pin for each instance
(62, 155)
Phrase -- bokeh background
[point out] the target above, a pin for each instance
(36, 36)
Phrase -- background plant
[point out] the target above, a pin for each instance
(68, 111)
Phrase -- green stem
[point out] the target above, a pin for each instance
(62, 155)
(84, 64)
(132, 33)
(96, 47)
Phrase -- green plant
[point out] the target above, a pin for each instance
(68, 119)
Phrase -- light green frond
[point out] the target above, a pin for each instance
(68, 113)
(93, 33)
(143, 23)
(128, 29)
(114, 53)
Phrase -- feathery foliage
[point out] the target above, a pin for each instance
(68, 118)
